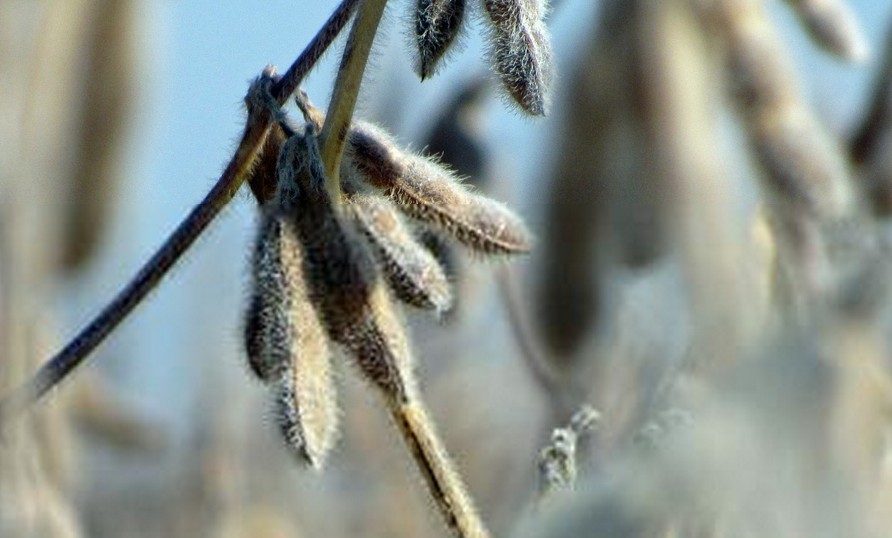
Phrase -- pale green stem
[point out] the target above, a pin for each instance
(443, 481)
(346, 90)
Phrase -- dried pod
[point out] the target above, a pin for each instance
(804, 165)
(280, 319)
(378, 344)
(411, 271)
(344, 283)
(103, 118)
(429, 192)
(338, 271)
(437, 23)
(521, 51)
(584, 185)
(286, 342)
(833, 26)
(306, 409)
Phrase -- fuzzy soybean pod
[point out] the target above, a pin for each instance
(344, 282)
(411, 271)
(832, 25)
(520, 50)
(429, 192)
(437, 24)
(286, 343)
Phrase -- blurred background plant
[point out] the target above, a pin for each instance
(709, 193)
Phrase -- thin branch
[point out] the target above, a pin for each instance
(332, 28)
(442, 479)
(346, 91)
(562, 396)
(74, 353)
(256, 131)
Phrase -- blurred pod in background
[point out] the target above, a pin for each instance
(871, 145)
(104, 113)
(68, 70)
(802, 167)
(605, 203)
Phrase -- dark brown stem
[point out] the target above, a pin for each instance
(292, 78)
(153, 271)
(74, 353)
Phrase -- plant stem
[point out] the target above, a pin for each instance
(154, 270)
(346, 90)
(292, 78)
(443, 481)
(562, 395)
(74, 353)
